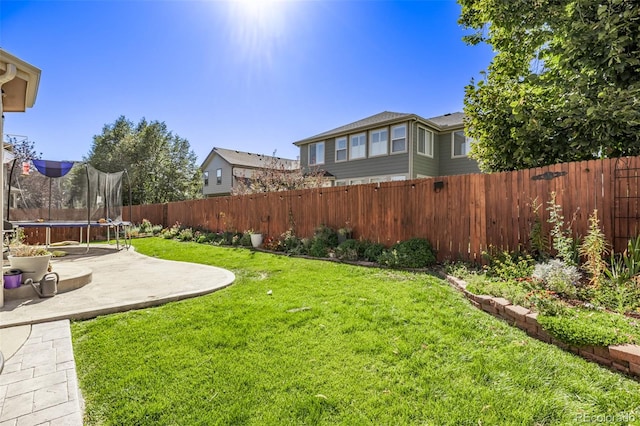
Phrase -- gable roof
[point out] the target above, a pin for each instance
(380, 118)
(387, 117)
(454, 119)
(250, 160)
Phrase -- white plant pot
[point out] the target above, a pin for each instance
(256, 240)
(34, 267)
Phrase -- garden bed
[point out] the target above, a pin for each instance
(624, 358)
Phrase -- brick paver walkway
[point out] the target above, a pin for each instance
(38, 385)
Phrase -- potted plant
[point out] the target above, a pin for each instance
(256, 239)
(33, 261)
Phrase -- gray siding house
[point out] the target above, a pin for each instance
(224, 168)
(390, 146)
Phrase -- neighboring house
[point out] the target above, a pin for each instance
(390, 146)
(224, 168)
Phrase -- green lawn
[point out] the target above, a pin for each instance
(333, 344)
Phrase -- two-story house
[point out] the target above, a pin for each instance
(224, 168)
(390, 146)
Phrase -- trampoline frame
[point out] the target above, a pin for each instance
(119, 226)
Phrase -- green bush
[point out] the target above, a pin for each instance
(617, 295)
(145, 226)
(319, 248)
(545, 302)
(558, 276)
(326, 234)
(245, 240)
(371, 251)
(290, 242)
(348, 250)
(505, 266)
(172, 232)
(412, 253)
(582, 327)
(185, 234)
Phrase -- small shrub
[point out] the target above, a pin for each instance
(624, 266)
(213, 238)
(145, 226)
(227, 238)
(544, 302)
(272, 244)
(290, 242)
(348, 250)
(170, 233)
(133, 231)
(319, 248)
(594, 248)
(371, 251)
(303, 248)
(563, 243)
(326, 234)
(617, 295)
(412, 253)
(185, 234)
(460, 269)
(506, 266)
(245, 240)
(557, 276)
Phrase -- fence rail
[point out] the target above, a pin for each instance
(461, 215)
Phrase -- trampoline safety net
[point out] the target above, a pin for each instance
(63, 191)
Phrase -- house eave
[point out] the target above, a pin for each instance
(20, 93)
(321, 137)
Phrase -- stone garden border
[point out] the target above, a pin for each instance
(623, 358)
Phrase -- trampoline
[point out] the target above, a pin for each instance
(67, 194)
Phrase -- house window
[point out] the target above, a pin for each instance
(425, 142)
(399, 138)
(206, 178)
(358, 146)
(341, 149)
(398, 178)
(316, 153)
(460, 144)
(355, 182)
(377, 179)
(340, 183)
(219, 177)
(378, 142)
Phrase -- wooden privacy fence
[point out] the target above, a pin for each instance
(461, 215)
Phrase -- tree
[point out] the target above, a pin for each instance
(30, 190)
(23, 148)
(161, 166)
(564, 84)
(276, 175)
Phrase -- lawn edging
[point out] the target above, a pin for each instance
(624, 358)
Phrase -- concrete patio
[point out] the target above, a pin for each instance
(38, 384)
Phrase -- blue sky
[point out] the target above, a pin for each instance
(247, 75)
